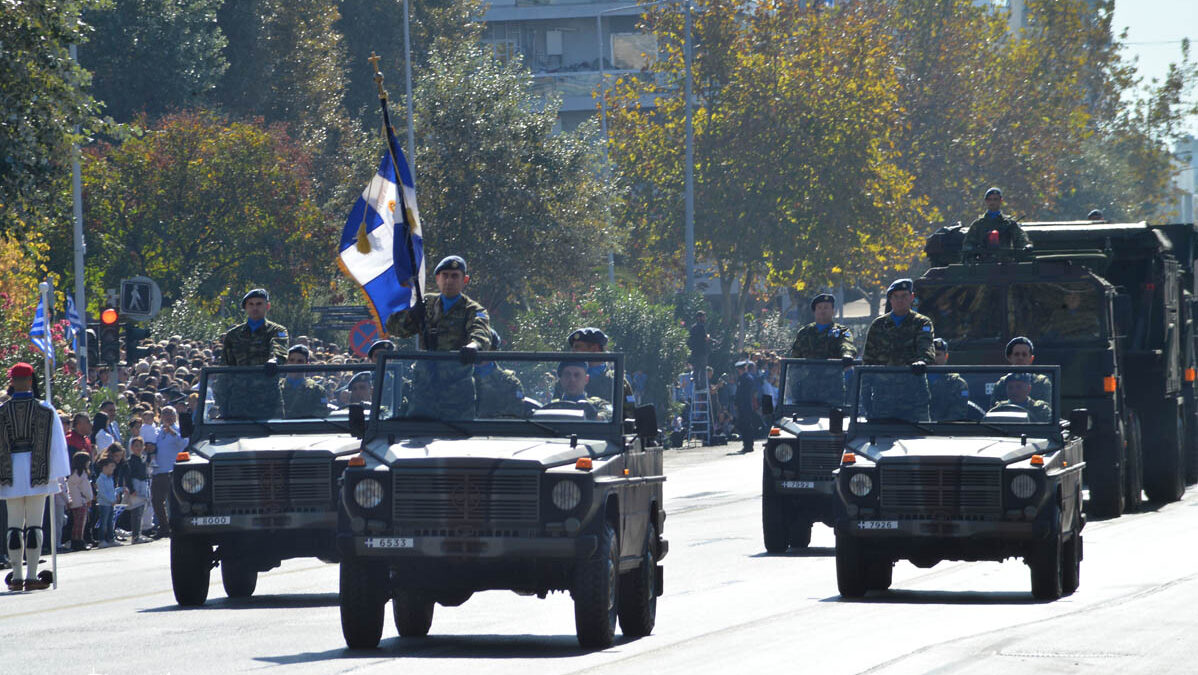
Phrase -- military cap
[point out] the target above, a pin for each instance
(256, 293)
(822, 297)
(741, 364)
(588, 334)
(496, 341)
(570, 364)
(1095, 214)
(1019, 377)
(940, 344)
(994, 191)
(302, 349)
(900, 285)
(379, 344)
(360, 377)
(1021, 340)
(450, 262)
(20, 370)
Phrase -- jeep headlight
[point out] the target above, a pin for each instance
(192, 481)
(860, 484)
(784, 452)
(566, 495)
(368, 493)
(1023, 486)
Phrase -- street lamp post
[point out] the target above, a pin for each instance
(407, 68)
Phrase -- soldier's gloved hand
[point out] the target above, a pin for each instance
(469, 353)
(271, 368)
(848, 361)
(417, 313)
(919, 367)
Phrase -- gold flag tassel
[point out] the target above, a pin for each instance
(363, 240)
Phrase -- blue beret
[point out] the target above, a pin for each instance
(361, 377)
(1019, 377)
(1020, 341)
(994, 191)
(302, 350)
(588, 334)
(900, 285)
(256, 293)
(822, 297)
(450, 262)
(570, 364)
(380, 344)
(741, 364)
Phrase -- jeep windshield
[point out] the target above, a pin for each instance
(316, 397)
(964, 312)
(958, 399)
(503, 393)
(813, 385)
(1064, 312)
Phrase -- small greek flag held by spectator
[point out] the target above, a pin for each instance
(74, 324)
(381, 246)
(39, 332)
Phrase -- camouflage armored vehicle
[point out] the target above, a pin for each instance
(1112, 304)
(802, 452)
(445, 501)
(1006, 483)
(258, 482)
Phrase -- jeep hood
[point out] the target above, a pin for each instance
(980, 448)
(335, 444)
(489, 451)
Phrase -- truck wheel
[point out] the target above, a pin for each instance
(800, 532)
(1045, 562)
(1134, 475)
(879, 574)
(850, 568)
(638, 592)
(775, 528)
(413, 613)
(1191, 448)
(362, 600)
(596, 593)
(191, 569)
(239, 579)
(1104, 475)
(1165, 477)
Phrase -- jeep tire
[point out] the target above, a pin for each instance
(1046, 563)
(413, 613)
(362, 600)
(191, 569)
(879, 574)
(638, 591)
(775, 526)
(239, 578)
(596, 592)
(850, 567)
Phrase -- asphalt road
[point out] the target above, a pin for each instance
(728, 607)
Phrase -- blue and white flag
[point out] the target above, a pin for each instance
(39, 332)
(74, 324)
(382, 247)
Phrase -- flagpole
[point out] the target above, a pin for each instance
(44, 287)
(389, 133)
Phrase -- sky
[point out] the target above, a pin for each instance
(1155, 29)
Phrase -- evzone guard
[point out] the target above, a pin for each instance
(33, 459)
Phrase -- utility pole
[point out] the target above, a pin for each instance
(80, 249)
(407, 67)
(688, 50)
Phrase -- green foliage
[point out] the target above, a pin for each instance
(647, 333)
(524, 205)
(151, 56)
(230, 201)
(187, 315)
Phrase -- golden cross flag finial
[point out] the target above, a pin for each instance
(378, 74)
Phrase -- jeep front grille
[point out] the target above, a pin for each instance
(465, 496)
(276, 482)
(820, 457)
(955, 491)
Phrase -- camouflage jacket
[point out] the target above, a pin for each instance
(889, 345)
(500, 393)
(1039, 412)
(950, 396)
(1041, 389)
(834, 343)
(243, 347)
(306, 399)
(465, 322)
(1010, 235)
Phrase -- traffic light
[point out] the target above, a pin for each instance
(93, 348)
(133, 337)
(110, 335)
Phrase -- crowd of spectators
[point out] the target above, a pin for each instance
(764, 369)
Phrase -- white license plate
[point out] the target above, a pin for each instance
(799, 484)
(877, 525)
(390, 542)
(207, 521)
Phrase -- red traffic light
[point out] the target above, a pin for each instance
(109, 317)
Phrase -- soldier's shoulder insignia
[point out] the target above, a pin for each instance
(847, 333)
(927, 329)
(482, 314)
(520, 394)
(282, 333)
(964, 393)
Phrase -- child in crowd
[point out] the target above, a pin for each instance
(107, 495)
(79, 497)
(139, 489)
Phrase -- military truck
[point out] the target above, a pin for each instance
(446, 501)
(258, 482)
(1113, 305)
(1003, 484)
(802, 452)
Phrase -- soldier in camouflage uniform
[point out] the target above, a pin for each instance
(1010, 236)
(1021, 352)
(500, 392)
(573, 377)
(601, 380)
(257, 342)
(1018, 388)
(444, 390)
(900, 337)
(820, 339)
(302, 396)
(949, 391)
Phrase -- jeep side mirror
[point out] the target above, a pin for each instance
(1079, 422)
(767, 406)
(357, 420)
(836, 421)
(646, 422)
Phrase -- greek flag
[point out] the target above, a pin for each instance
(381, 246)
(39, 332)
(74, 324)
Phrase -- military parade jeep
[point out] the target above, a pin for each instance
(802, 453)
(444, 502)
(1006, 483)
(257, 484)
